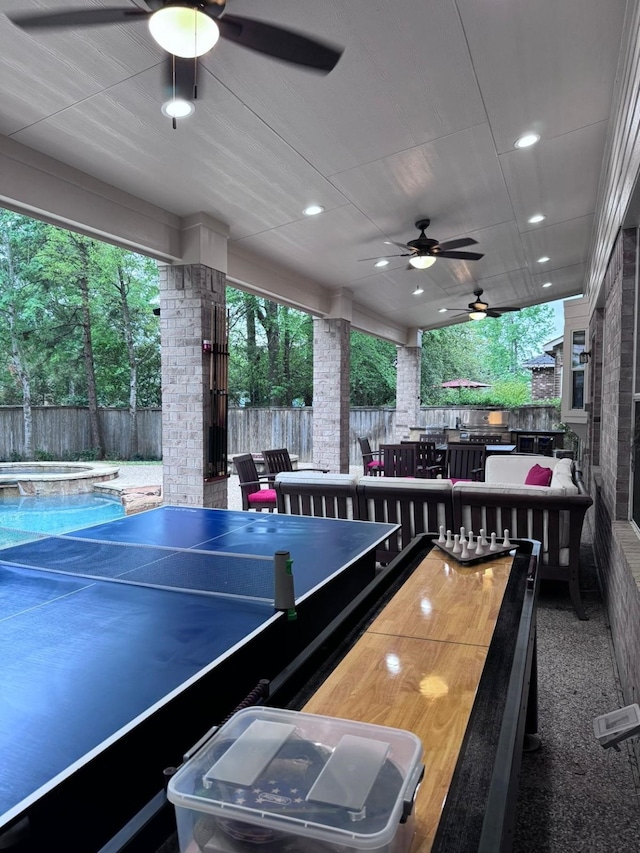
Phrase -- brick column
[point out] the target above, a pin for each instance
(331, 361)
(407, 390)
(187, 294)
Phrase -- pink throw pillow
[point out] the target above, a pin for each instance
(539, 476)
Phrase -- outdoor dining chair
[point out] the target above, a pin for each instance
(254, 496)
(371, 461)
(278, 461)
(465, 460)
(398, 460)
(430, 460)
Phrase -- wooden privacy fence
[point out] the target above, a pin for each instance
(61, 432)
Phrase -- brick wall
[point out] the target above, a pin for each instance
(616, 542)
(543, 383)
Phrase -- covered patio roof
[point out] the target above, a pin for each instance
(418, 119)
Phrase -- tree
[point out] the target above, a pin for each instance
(373, 371)
(67, 261)
(446, 354)
(490, 351)
(132, 279)
(271, 352)
(20, 309)
(510, 340)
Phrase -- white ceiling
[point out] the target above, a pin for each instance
(419, 118)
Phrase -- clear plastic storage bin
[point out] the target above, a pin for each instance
(275, 780)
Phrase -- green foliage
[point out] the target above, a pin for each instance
(43, 456)
(51, 333)
(373, 371)
(490, 351)
(42, 272)
(270, 352)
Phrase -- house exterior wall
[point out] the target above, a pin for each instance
(611, 400)
(543, 384)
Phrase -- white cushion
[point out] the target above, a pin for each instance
(413, 483)
(562, 477)
(510, 488)
(312, 477)
(388, 485)
(514, 467)
(508, 516)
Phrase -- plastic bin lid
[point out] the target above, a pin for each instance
(336, 780)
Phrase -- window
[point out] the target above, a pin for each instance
(578, 341)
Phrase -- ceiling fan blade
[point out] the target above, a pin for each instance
(458, 244)
(503, 310)
(384, 257)
(462, 256)
(77, 17)
(492, 312)
(279, 43)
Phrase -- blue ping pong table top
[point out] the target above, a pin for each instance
(84, 659)
(319, 547)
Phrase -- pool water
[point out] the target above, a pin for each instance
(53, 514)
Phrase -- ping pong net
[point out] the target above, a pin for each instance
(162, 567)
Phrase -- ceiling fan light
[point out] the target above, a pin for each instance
(177, 108)
(183, 30)
(477, 315)
(422, 262)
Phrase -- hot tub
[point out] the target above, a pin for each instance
(53, 478)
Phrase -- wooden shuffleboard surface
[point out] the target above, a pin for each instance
(418, 667)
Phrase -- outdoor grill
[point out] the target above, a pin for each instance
(493, 422)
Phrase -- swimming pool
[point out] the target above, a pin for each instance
(53, 514)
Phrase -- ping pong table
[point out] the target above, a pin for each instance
(119, 650)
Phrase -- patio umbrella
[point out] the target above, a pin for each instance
(464, 383)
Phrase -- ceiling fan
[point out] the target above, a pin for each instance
(190, 28)
(479, 309)
(423, 251)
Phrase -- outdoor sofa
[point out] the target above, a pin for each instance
(552, 514)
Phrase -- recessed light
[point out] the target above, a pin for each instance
(537, 218)
(418, 290)
(443, 310)
(543, 259)
(313, 210)
(527, 140)
(387, 242)
(381, 263)
(548, 284)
